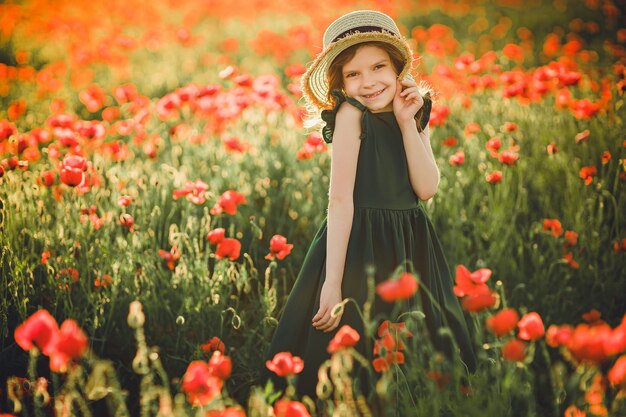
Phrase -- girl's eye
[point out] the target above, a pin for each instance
(379, 66)
(350, 74)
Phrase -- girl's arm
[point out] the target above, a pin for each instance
(340, 211)
(426, 141)
(423, 170)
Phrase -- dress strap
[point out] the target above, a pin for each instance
(330, 115)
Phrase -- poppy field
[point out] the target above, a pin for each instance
(159, 191)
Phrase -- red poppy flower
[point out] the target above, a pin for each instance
(558, 335)
(380, 364)
(168, 105)
(124, 201)
(170, 257)
(44, 257)
(438, 115)
(345, 337)
(93, 98)
(569, 258)
(228, 248)
(214, 344)
(90, 129)
(47, 178)
(457, 158)
(71, 344)
(194, 191)
(584, 109)
(127, 221)
(552, 149)
(587, 173)
(232, 144)
(295, 70)
(16, 109)
(220, 365)
(573, 411)
(619, 246)
(553, 225)
(288, 408)
(513, 52)
(570, 238)
(394, 328)
(592, 316)
(383, 363)
(73, 169)
(510, 126)
(227, 412)
(228, 202)
(7, 129)
(508, 157)
(494, 177)
(285, 364)
(125, 93)
(385, 344)
(503, 322)
(398, 289)
(471, 128)
(467, 282)
(617, 374)
(40, 330)
(480, 299)
(493, 145)
(303, 154)
(199, 384)
(582, 136)
(450, 142)
(279, 248)
(514, 350)
(615, 343)
(104, 281)
(215, 236)
(530, 326)
(587, 342)
(313, 144)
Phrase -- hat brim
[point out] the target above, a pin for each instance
(314, 82)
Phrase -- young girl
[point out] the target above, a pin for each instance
(382, 166)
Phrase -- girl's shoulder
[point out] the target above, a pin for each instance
(330, 115)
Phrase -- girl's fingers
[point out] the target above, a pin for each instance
(408, 90)
(332, 324)
(325, 319)
(413, 96)
(319, 315)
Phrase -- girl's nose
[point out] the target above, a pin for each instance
(368, 80)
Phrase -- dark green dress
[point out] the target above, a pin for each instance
(390, 227)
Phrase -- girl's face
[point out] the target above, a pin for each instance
(370, 78)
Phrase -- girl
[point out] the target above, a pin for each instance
(382, 166)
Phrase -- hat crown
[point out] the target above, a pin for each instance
(359, 21)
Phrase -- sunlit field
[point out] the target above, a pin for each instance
(158, 194)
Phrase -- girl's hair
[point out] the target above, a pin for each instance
(335, 76)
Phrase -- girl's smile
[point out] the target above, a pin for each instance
(370, 78)
(374, 95)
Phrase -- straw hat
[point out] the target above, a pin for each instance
(351, 29)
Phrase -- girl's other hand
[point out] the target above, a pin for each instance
(329, 298)
(407, 102)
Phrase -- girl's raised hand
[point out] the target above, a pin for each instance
(407, 102)
(329, 298)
